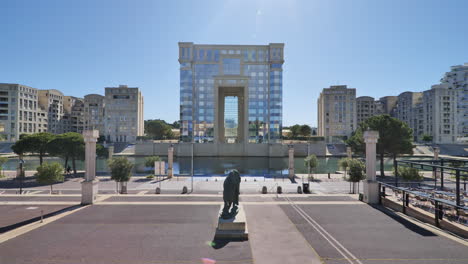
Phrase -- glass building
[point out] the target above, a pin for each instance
(231, 93)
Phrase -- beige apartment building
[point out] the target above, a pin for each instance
(365, 108)
(405, 106)
(73, 114)
(20, 112)
(386, 105)
(123, 108)
(52, 102)
(337, 113)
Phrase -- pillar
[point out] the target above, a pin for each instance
(349, 152)
(170, 161)
(371, 187)
(291, 161)
(89, 186)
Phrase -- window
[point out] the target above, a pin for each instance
(231, 66)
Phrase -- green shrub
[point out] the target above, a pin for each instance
(149, 161)
(49, 173)
(151, 176)
(410, 174)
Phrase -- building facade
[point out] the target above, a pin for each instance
(405, 108)
(365, 108)
(457, 79)
(337, 117)
(94, 112)
(20, 112)
(123, 108)
(244, 81)
(52, 102)
(440, 114)
(386, 105)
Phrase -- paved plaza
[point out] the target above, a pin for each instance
(174, 228)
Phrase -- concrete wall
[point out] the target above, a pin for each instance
(228, 150)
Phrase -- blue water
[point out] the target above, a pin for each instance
(206, 166)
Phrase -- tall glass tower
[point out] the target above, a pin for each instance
(231, 93)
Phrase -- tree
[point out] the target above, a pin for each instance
(176, 124)
(38, 143)
(149, 161)
(356, 172)
(3, 160)
(20, 148)
(344, 164)
(426, 138)
(49, 173)
(295, 131)
(101, 151)
(305, 131)
(121, 171)
(311, 163)
(395, 137)
(68, 146)
(158, 129)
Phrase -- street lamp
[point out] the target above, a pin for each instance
(21, 174)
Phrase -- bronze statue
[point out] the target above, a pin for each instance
(231, 194)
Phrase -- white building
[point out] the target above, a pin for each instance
(440, 114)
(123, 107)
(337, 113)
(457, 79)
(20, 112)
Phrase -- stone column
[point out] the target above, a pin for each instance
(170, 161)
(371, 187)
(349, 152)
(89, 186)
(436, 157)
(291, 161)
(110, 150)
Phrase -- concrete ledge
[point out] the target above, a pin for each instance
(89, 190)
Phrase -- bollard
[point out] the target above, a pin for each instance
(255, 180)
(158, 190)
(279, 190)
(328, 175)
(264, 190)
(299, 189)
(42, 216)
(184, 190)
(206, 179)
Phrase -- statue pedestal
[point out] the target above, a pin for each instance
(89, 191)
(233, 228)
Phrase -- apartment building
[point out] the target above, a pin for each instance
(365, 108)
(123, 121)
(73, 117)
(337, 113)
(440, 113)
(20, 112)
(405, 106)
(94, 112)
(52, 102)
(457, 79)
(386, 105)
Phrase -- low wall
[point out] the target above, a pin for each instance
(147, 148)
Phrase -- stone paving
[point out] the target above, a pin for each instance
(143, 227)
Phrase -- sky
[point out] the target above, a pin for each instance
(378, 47)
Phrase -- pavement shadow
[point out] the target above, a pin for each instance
(4, 229)
(221, 243)
(410, 226)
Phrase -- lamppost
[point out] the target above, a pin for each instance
(192, 169)
(21, 174)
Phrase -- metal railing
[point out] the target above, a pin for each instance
(435, 205)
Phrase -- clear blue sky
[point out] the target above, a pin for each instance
(379, 47)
